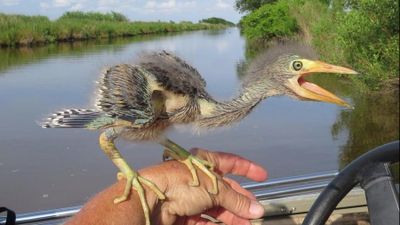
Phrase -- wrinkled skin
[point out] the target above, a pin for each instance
(184, 203)
(223, 206)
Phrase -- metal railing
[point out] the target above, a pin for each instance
(270, 189)
(279, 187)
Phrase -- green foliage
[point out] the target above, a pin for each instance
(269, 21)
(96, 16)
(216, 20)
(18, 30)
(251, 5)
(363, 34)
(23, 28)
(370, 36)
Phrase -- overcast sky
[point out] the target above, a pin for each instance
(165, 10)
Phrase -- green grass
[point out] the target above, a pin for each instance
(365, 38)
(363, 35)
(96, 16)
(20, 30)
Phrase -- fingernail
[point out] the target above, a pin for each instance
(256, 209)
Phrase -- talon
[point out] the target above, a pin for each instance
(195, 181)
(214, 190)
(133, 180)
(136, 182)
(206, 163)
(176, 152)
(119, 199)
(120, 176)
(205, 167)
(153, 187)
(128, 186)
(166, 156)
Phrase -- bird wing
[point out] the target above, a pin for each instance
(174, 74)
(125, 93)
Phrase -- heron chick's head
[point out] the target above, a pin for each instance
(289, 71)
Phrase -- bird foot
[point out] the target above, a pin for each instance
(133, 180)
(190, 161)
(166, 156)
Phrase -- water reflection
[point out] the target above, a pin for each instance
(13, 57)
(374, 120)
(47, 168)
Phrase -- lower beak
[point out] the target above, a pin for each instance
(312, 91)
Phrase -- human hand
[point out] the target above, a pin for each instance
(184, 205)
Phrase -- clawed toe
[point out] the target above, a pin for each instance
(120, 199)
(207, 167)
(120, 176)
(136, 182)
(173, 150)
(204, 166)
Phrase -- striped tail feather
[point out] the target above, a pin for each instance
(71, 118)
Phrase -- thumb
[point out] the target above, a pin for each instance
(240, 205)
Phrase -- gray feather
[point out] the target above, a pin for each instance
(71, 118)
(174, 74)
(125, 94)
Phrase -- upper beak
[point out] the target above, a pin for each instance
(312, 91)
(321, 67)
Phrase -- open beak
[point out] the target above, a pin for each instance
(312, 91)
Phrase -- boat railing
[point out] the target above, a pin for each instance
(271, 190)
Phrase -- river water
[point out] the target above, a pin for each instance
(50, 168)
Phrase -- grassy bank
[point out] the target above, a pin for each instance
(20, 30)
(361, 34)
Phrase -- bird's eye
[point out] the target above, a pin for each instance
(297, 65)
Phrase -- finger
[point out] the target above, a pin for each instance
(198, 220)
(236, 186)
(180, 221)
(231, 163)
(227, 217)
(239, 204)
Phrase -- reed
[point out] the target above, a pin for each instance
(363, 34)
(21, 30)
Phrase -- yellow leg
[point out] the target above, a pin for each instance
(178, 153)
(132, 178)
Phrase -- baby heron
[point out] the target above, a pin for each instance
(139, 102)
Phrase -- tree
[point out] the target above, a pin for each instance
(269, 21)
(216, 20)
(251, 5)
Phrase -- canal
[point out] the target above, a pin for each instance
(51, 168)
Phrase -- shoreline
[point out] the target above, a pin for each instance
(29, 31)
(30, 42)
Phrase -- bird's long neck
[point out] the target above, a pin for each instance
(216, 114)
